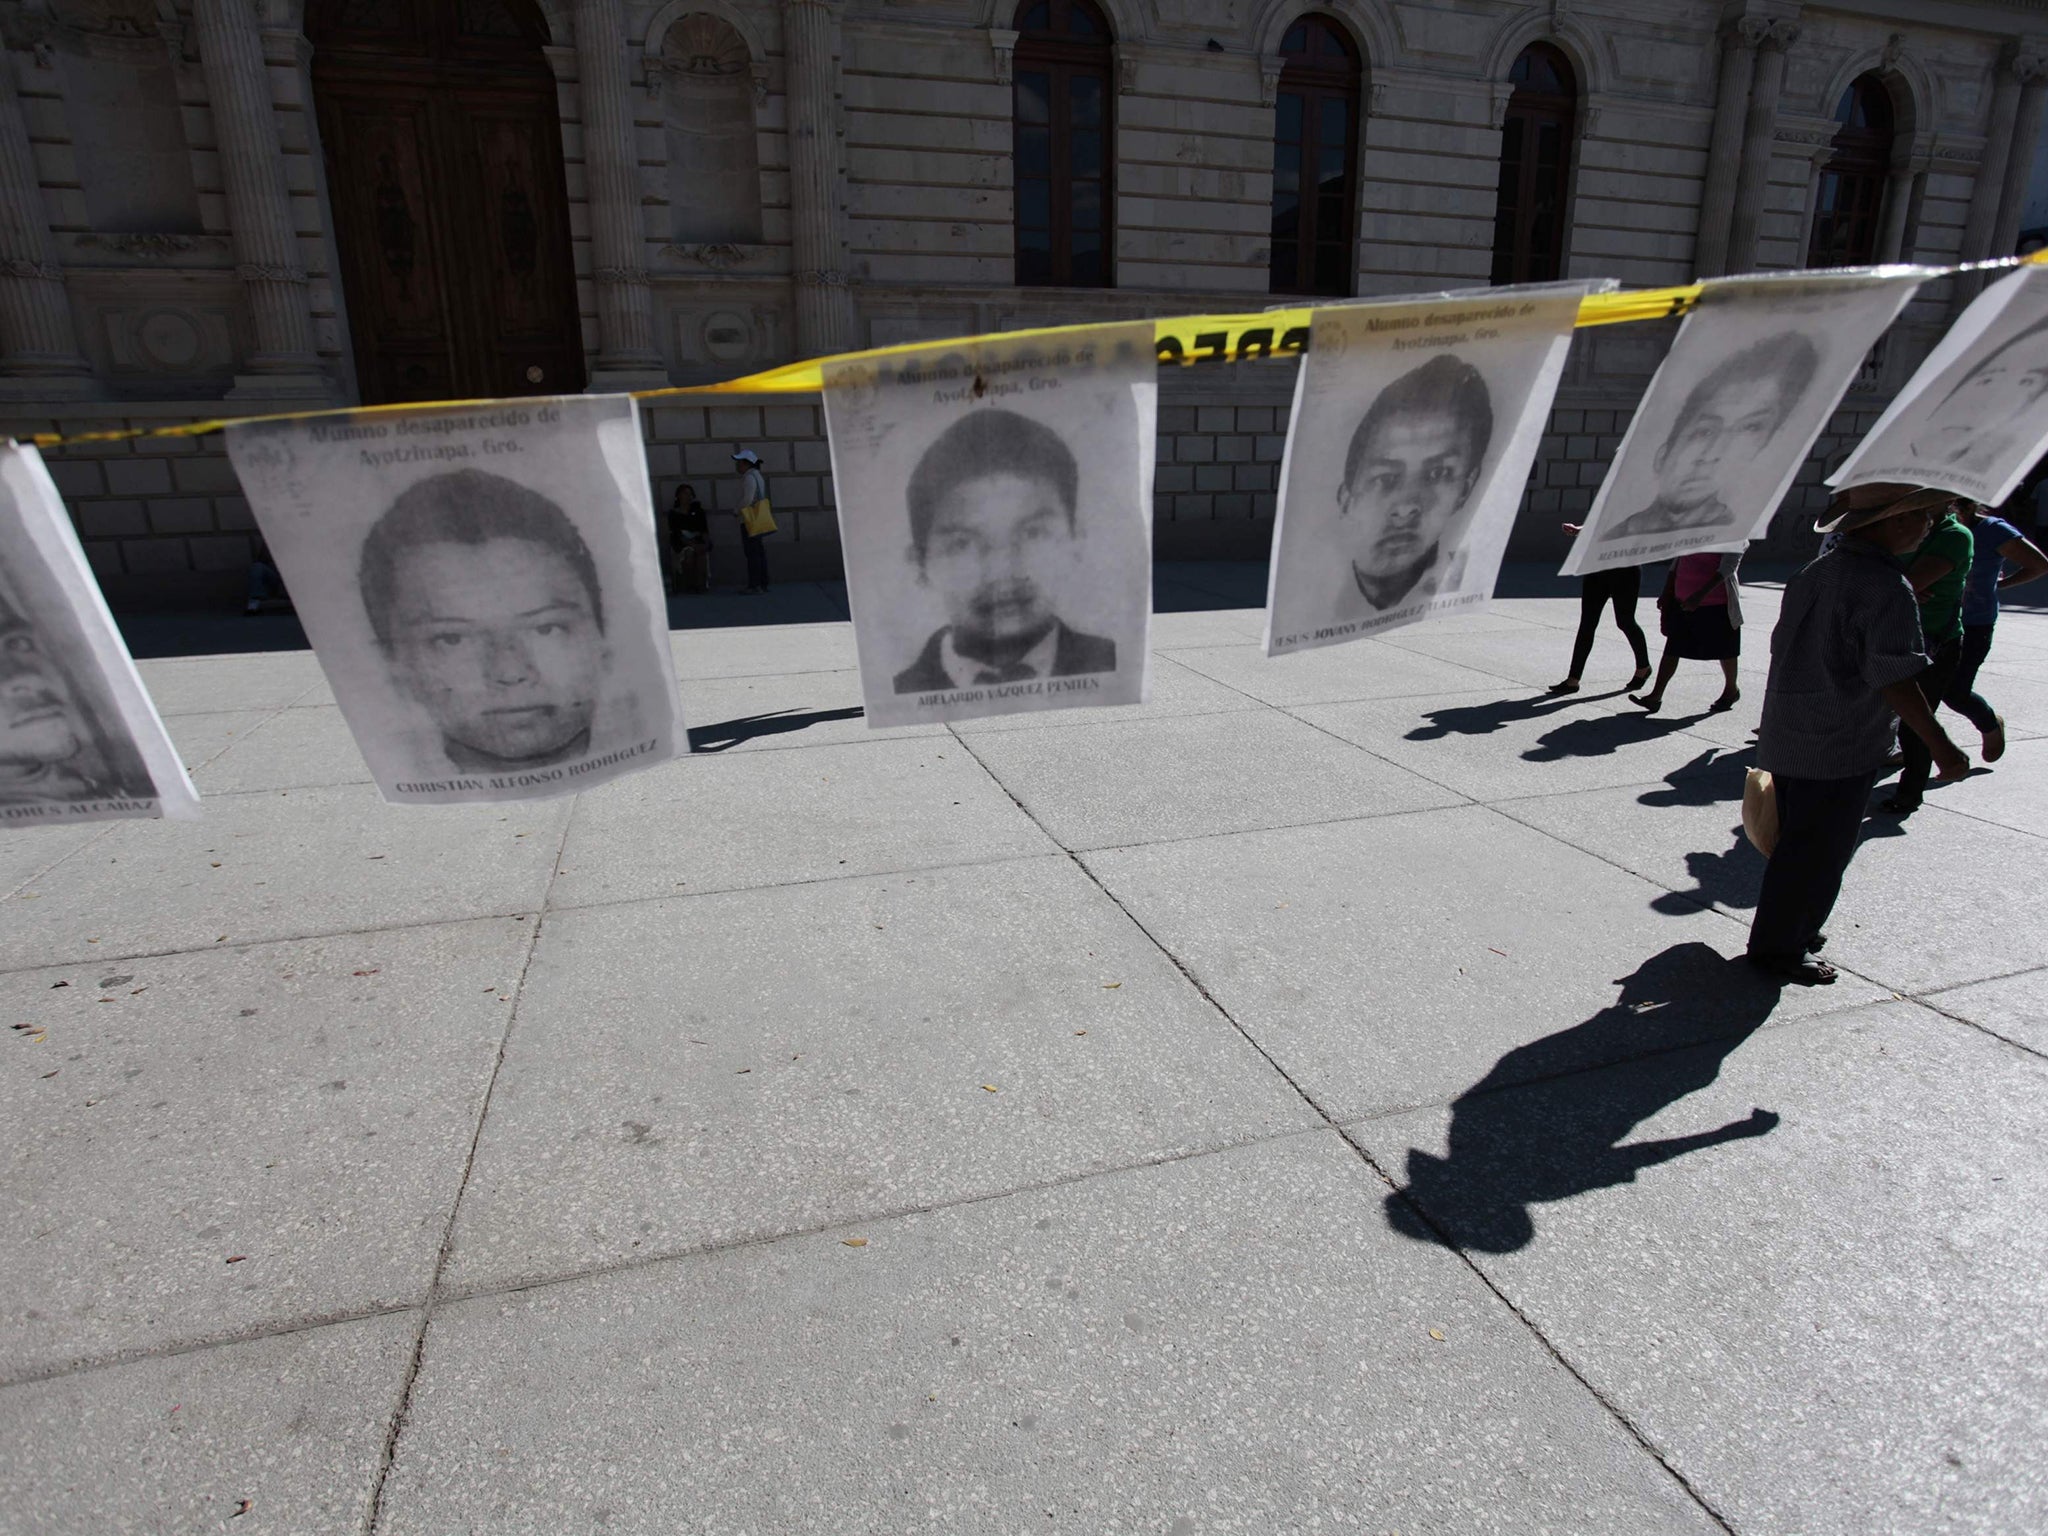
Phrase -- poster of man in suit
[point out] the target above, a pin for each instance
(995, 508)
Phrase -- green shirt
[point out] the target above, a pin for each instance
(1941, 605)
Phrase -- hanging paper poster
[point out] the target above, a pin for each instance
(995, 507)
(1754, 374)
(79, 738)
(1974, 416)
(481, 586)
(1413, 429)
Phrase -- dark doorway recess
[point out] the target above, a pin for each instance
(444, 166)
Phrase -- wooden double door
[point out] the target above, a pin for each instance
(442, 139)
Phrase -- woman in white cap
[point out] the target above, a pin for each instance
(753, 488)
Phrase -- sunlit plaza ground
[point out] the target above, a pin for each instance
(1323, 1098)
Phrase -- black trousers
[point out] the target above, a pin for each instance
(1934, 686)
(1962, 695)
(1622, 587)
(1819, 821)
(757, 559)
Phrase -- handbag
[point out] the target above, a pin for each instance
(1760, 810)
(757, 518)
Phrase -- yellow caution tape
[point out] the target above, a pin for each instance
(1186, 340)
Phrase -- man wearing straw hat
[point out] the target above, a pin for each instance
(1843, 662)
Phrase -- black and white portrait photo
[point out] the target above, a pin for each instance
(79, 738)
(1751, 378)
(1413, 428)
(481, 586)
(1974, 416)
(995, 506)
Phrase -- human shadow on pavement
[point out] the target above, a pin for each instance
(728, 734)
(1493, 715)
(1717, 774)
(1548, 1121)
(1599, 735)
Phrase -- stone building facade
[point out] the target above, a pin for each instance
(226, 207)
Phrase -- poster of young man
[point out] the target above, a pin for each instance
(79, 738)
(1974, 416)
(481, 586)
(1414, 425)
(995, 505)
(1753, 375)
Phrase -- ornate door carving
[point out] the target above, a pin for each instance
(444, 166)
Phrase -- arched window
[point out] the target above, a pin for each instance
(1850, 198)
(1064, 138)
(714, 172)
(1535, 168)
(1315, 159)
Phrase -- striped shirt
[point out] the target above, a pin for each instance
(1849, 628)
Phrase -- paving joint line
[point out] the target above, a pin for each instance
(402, 1414)
(1202, 990)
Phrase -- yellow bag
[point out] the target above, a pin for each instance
(1760, 811)
(757, 518)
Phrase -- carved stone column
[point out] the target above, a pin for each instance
(39, 357)
(1724, 149)
(2032, 73)
(1898, 202)
(1981, 222)
(824, 306)
(259, 206)
(1759, 139)
(626, 354)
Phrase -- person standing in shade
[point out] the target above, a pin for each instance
(753, 488)
(1621, 586)
(1701, 613)
(689, 538)
(1843, 659)
(1937, 574)
(1993, 542)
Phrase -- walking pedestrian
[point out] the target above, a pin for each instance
(689, 537)
(754, 494)
(1937, 575)
(1621, 587)
(1993, 542)
(1700, 613)
(1843, 658)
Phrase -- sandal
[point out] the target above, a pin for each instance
(1649, 705)
(1569, 685)
(1796, 969)
(1994, 741)
(1725, 702)
(1642, 676)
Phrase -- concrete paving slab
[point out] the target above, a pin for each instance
(1389, 963)
(291, 749)
(2015, 1007)
(1102, 786)
(277, 866)
(1232, 1343)
(1534, 657)
(1828, 1318)
(1207, 626)
(763, 713)
(202, 738)
(1928, 902)
(1176, 690)
(295, 1425)
(713, 822)
(213, 1143)
(25, 852)
(2013, 793)
(205, 685)
(670, 1085)
(752, 652)
(1368, 669)
(1519, 744)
